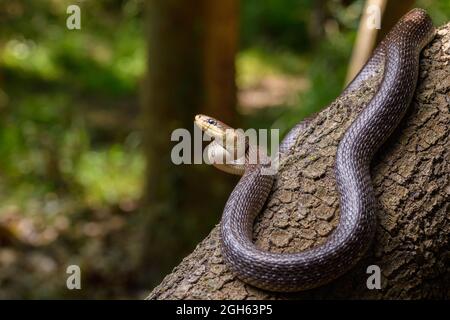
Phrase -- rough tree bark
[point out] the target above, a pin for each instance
(411, 175)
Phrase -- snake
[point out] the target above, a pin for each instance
(397, 58)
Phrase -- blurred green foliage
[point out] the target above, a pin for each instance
(101, 174)
(276, 39)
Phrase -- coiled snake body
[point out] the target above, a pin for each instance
(399, 54)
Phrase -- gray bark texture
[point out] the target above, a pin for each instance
(411, 175)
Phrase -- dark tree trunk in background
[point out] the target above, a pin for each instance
(191, 50)
(411, 177)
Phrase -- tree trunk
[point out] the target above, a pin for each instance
(411, 176)
(191, 50)
(368, 38)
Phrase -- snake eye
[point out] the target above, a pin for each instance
(212, 122)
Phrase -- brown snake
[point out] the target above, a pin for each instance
(398, 57)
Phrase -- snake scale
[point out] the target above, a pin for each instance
(398, 56)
